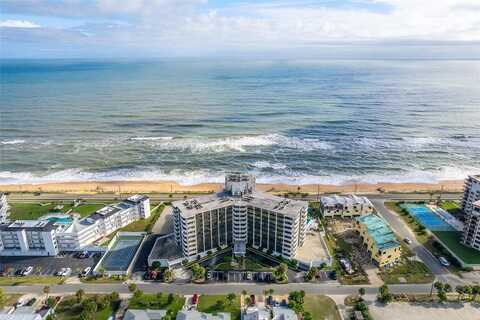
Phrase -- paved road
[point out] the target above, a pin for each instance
(166, 197)
(401, 228)
(254, 288)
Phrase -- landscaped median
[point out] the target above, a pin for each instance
(30, 280)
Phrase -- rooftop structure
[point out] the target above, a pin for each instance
(166, 251)
(195, 315)
(380, 240)
(147, 314)
(345, 206)
(239, 217)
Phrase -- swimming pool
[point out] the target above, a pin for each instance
(65, 220)
(427, 217)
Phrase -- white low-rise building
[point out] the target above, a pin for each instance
(47, 238)
(3, 208)
(345, 206)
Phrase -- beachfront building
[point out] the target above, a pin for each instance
(29, 238)
(379, 239)
(345, 206)
(471, 231)
(3, 208)
(471, 193)
(46, 237)
(240, 217)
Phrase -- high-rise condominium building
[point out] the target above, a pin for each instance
(240, 217)
(471, 212)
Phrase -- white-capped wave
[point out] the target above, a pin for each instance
(151, 138)
(13, 141)
(239, 143)
(191, 177)
(267, 164)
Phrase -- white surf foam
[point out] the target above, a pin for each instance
(14, 141)
(151, 138)
(191, 177)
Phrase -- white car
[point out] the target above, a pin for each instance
(407, 241)
(444, 262)
(64, 272)
(27, 271)
(86, 271)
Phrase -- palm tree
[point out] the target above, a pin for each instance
(459, 290)
(46, 290)
(468, 291)
(475, 291)
(271, 291)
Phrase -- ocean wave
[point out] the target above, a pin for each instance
(269, 165)
(191, 177)
(13, 141)
(151, 138)
(237, 143)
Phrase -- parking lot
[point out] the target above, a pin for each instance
(48, 265)
(239, 276)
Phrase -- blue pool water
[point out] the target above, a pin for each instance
(65, 220)
(427, 217)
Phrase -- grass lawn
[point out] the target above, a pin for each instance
(321, 307)
(102, 280)
(452, 207)
(209, 304)
(69, 309)
(452, 240)
(157, 301)
(11, 299)
(32, 211)
(87, 209)
(15, 281)
(411, 271)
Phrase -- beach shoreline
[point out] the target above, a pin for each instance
(93, 187)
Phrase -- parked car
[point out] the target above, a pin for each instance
(209, 275)
(346, 265)
(28, 270)
(249, 276)
(443, 261)
(64, 272)
(86, 271)
(195, 299)
(407, 241)
(332, 275)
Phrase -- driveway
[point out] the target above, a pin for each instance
(164, 224)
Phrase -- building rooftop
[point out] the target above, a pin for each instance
(147, 314)
(195, 315)
(282, 313)
(30, 225)
(256, 199)
(344, 200)
(166, 248)
(379, 230)
(136, 199)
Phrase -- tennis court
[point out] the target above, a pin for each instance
(427, 217)
(120, 255)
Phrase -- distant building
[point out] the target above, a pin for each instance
(383, 247)
(471, 194)
(240, 217)
(345, 206)
(3, 208)
(471, 231)
(147, 314)
(47, 238)
(195, 315)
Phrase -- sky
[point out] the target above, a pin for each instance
(248, 28)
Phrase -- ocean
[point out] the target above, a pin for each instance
(290, 121)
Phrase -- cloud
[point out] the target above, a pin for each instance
(18, 24)
(196, 26)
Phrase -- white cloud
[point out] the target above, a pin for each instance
(18, 24)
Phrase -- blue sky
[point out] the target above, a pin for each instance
(298, 28)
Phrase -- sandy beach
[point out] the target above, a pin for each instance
(174, 187)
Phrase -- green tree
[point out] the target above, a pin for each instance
(459, 290)
(198, 272)
(114, 296)
(447, 287)
(307, 316)
(475, 291)
(384, 294)
(80, 294)
(296, 300)
(231, 297)
(156, 265)
(467, 290)
(3, 299)
(168, 276)
(132, 287)
(361, 292)
(442, 296)
(244, 292)
(312, 272)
